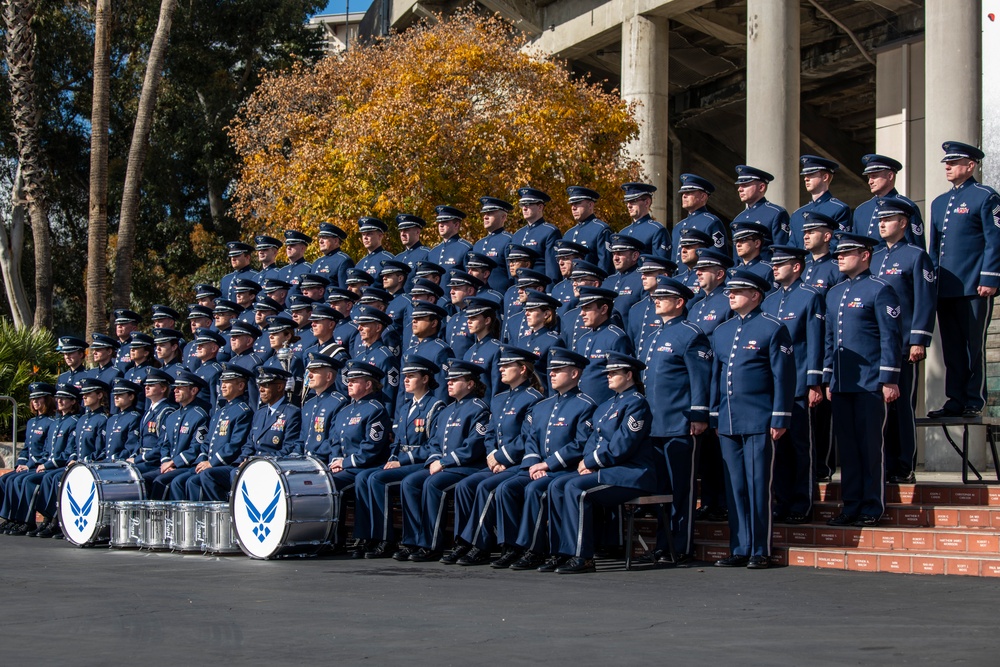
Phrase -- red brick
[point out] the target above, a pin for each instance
(989, 568)
(895, 563)
(984, 543)
(855, 537)
(966, 566)
(778, 534)
(865, 539)
(992, 496)
(906, 494)
(800, 535)
(779, 557)
(715, 553)
(927, 565)
(829, 537)
(911, 517)
(801, 557)
(935, 495)
(918, 540)
(967, 496)
(862, 562)
(950, 542)
(976, 518)
(714, 533)
(825, 514)
(831, 561)
(888, 539)
(944, 517)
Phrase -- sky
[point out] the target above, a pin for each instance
(337, 6)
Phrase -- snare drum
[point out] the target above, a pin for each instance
(187, 521)
(126, 517)
(284, 507)
(86, 493)
(218, 529)
(154, 525)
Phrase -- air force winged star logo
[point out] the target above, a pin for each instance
(81, 513)
(261, 530)
(634, 425)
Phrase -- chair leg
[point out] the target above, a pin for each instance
(664, 518)
(630, 510)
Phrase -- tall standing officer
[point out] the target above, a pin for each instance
(861, 369)
(751, 186)
(695, 192)
(881, 174)
(410, 227)
(295, 250)
(626, 281)
(589, 230)
(538, 234)
(678, 379)
(753, 382)
(372, 231)
(239, 259)
(451, 251)
(965, 249)
(494, 245)
(603, 337)
(334, 263)
(267, 252)
(654, 236)
(817, 174)
(907, 269)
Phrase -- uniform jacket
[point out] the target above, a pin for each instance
(678, 377)
(618, 450)
(227, 432)
(556, 429)
(508, 411)
(908, 270)
(459, 435)
(803, 312)
(965, 239)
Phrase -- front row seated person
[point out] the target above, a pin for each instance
(183, 435)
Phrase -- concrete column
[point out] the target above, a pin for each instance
(773, 65)
(952, 63)
(645, 62)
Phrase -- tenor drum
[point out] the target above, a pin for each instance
(218, 527)
(154, 525)
(286, 507)
(187, 523)
(86, 493)
(126, 523)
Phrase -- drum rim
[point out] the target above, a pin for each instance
(90, 467)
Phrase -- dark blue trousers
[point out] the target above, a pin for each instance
(859, 423)
(571, 518)
(423, 498)
(178, 486)
(962, 323)
(480, 528)
(749, 460)
(10, 485)
(900, 427)
(824, 448)
(343, 482)
(793, 464)
(48, 493)
(21, 497)
(677, 479)
(373, 505)
(212, 484)
(522, 510)
(710, 470)
(159, 485)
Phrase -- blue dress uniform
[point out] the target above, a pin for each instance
(699, 219)
(865, 220)
(412, 255)
(652, 233)
(372, 262)
(122, 427)
(145, 452)
(272, 271)
(415, 421)
(234, 249)
(826, 204)
(227, 432)
(458, 443)
(620, 458)
(965, 249)
(292, 272)
(475, 511)
(803, 312)
(333, 265)
(433, 349)
(863, 352)
(772, 216)
(678, 372)
(484, 353)
(554, 432)
(908, 270)
(449, 253)
(495, 244)
(597, 343)
(33, 452)
(540, 235)
(183, 437)
(593, 233)
(753, 382)
(123, 360)
(821, 273)
(627, 284)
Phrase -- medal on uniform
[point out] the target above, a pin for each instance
(223, 427)
(279, 425)
(318, 425)
(276, 440)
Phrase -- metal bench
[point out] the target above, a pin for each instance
(963, 451)
(636, 505)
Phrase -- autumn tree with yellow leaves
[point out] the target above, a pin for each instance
(443, 113)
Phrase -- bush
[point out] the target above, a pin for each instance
(26, 355)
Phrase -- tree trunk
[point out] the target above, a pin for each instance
(21, 41)
(97, 230)
(122, 290)
(11, 251)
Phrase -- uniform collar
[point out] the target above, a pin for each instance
(970, 181)
(645, 218)
(757, 204)
(825, 197)
(540, 221)
(375, 251)
(749, 316)
(698, 211)
(861, 276)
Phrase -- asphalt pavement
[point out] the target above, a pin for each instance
(97, 606)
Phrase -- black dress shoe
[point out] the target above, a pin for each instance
(51, 530)
(476, 556)
(403, 553)
(903, 479)
(577, 565)
(38, 529)
(452, 556)
(23, 529)
(866, 520)
(971, 413)
(678, 561)
(824, 479)
(733, 561)
(795, 519)
(943, 413)
(842, 519)
(758, 563)
(507, 558)
(650, 557)
(552, 563)
(380, 550)
(424, 555)
(529, 560)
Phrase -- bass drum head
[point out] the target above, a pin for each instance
(79, 505)
(260, 508)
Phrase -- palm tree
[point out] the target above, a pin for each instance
(26, 356)
(97, 231)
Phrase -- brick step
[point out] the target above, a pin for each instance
(958, 563)
(939, 516)
(875, 539)
(923, 493)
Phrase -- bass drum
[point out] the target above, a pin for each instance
(86, 494)
(285, 507)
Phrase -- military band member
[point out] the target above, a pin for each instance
(571, 327)
(821, 268)
(334, 263)
(241, 340)
(965, 249)
(881, 171)
(642, 321)
(206, 294)
(604, 336)
(104, 348)
(300, 308)
(74, 353)
(199, 317)
(692, 242)
(41, 399)
(126, 321)
(143, 361)
(410, 227)
(481, 268)
(589, 231)
(341, 299)
(267, 251)
(695, 192)
(542, 333)
(567, 252)
(537, 234)
(145, 452)
(654, 236)
(183, 435)
(313, 286)
(123, 426)
(207, 346)
(462, 286)
(371, 322)
(295, 250)
(277, 290)
(750, 239)
(751, 186)
(817, 174)
(753, 382)
(239, 259)
(451, 251)
(861, 368)
(319, 412)
(167, 344)
(372, 231)
(626, 281)
(426, 320)
(494, 245)
(281, 336)
(483, 326)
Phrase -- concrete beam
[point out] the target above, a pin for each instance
(823, 137)
(524, 15)
(727, 34)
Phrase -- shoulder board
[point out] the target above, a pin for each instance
(586, 398)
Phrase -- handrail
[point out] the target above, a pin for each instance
(13, 438)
